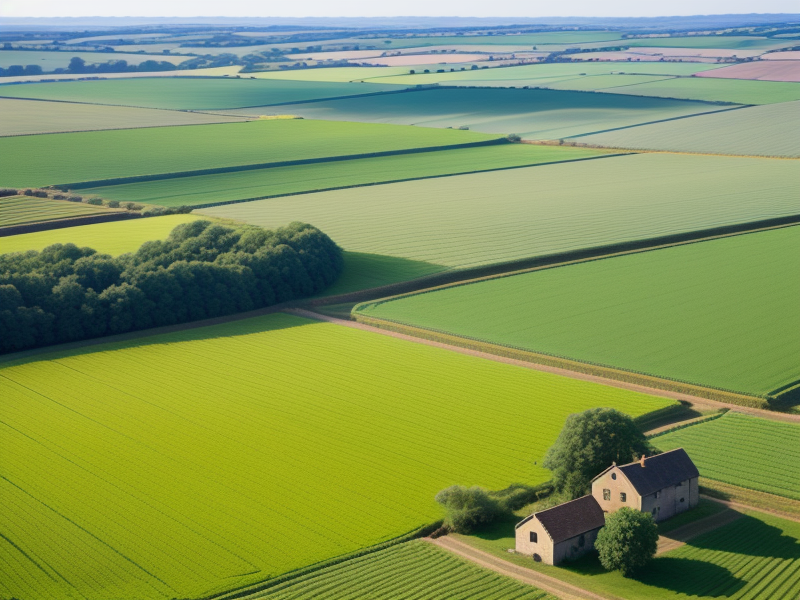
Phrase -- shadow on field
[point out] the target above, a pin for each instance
(751, 537)
(690, 577)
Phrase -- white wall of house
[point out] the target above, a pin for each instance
(542, 547)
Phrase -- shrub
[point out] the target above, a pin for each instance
(589, 442)
(39, 194)
(467, 508)
(94, 201)
(27, 193)
(628, 540)
(75, 198)
(59, 197)
(112, 203)
(513, 137)
(7, 192)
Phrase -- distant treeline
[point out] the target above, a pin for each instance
(78, 66)
(65, 293)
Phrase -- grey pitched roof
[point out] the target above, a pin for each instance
(660, 471)
(572, 518)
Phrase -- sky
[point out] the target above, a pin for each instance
(387, 8)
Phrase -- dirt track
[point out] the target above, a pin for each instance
(697, 403)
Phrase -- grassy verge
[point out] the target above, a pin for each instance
(740, 495)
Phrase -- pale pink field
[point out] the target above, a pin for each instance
(776, 70)
(422, 59)
(790, 55)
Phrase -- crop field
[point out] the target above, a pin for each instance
(780, 70)
(710, 41)
(738, 91)
(753, 453)
(116, 237)
(303, 178)
(212, 449)
(469, 220)
(334, 74)
(719, 313)
(50, 159)
(534, 114)
(16, 210)
(757, 556)
(23, 117)
(412, 570)
(191, 94)
(766, 130)
(50, 61)
(602, 82)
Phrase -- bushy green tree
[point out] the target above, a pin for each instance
(467, 508)
(589, 442)
(627, 541)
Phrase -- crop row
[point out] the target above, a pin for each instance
(15, 210)
(219, 454)
(754, 453)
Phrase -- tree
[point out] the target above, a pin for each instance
(33, 70)
(628, 540)
(76, 65)
(589, 442)
(467, 508)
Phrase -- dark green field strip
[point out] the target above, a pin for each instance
(719, 313)
(244, 184)
(737, 91)
(532, 113)
(415, 569)
(17, 210)
(40, 160)
(189, 93)
(746, 451)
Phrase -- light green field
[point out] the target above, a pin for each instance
(720, 313)
(485, 218)
(768, 130)
(16, 210)
(49, 61)
(334, 74)
(189, 463)
(602, 82)
(21, 117)
(534, 114)
(753, 453)
(193, 94)
(754, 557)
(531, 74)
(51, 159)
(412, 570)
(289, 180)
(738, 91)
(708, 41)
(116, 237)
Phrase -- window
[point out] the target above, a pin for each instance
(582, 541)
(534, 537)
(613, 476)
(606, 494)
(655, 512)
(623, 497)
(658, 495)
(681, 499)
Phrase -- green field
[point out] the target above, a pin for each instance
(241, 185)
(534, 114)
(51, 159)
(49, 61)
(16, 210)
(720, 313)
(602, 82)
(753, 453)
(754, 557)
(469, 220)
(116, 237)
(193, 94)
(412, 570)
(768, 130)
(531, 74)
(738, 91)
(188, 463)
(708, 41)
(23, 117)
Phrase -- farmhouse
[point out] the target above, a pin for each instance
(663, 485)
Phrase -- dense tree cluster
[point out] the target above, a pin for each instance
(203, 270)
(468, 508)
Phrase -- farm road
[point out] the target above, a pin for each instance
(565, 591)
(696, 402)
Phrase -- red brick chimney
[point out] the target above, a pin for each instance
(641, 461)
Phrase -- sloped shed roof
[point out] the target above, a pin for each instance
(660, 471)
(572, 518)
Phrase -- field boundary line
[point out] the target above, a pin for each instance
(555, 369)
(374, 183)
(15, 135)
(33, 227)
(547, 583)
(739, 506)
(269, 165)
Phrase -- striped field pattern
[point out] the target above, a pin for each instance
(412, 570)
(16, 210)
(741, 450)
(193, 462)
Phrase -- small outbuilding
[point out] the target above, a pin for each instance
(663, 485)
(566, 531)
